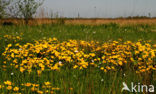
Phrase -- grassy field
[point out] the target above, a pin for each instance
(76, 59)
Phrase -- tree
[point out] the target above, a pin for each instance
(3, 6)
(27, 8)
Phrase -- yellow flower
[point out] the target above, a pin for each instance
(16, 89)
(39, 72)
(40, 92)
(7, 82)
(9, 87)
(56, 88)
(28, 84)
(9, 45)
(152, 54)
(132, 59)
(120, 63)
(92, 54)
(75, 66)
(136, 52)
(12, 55)
(35, 85)
(105, 70)
(143, 70)
(47, 91)
(102, 68)
(22, 69)
(108, 68)
(112, 67)
(4, 62)
(47, 83)
(71, 88)
(33, 89)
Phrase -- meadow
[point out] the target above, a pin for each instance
(76, 59)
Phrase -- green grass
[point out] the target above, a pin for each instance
(82, 82)
(82, 32)
(85, 81)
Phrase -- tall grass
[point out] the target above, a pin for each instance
(82, 32)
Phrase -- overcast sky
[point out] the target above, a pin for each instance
(101, 8)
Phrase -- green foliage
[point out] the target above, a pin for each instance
(27, 8)
(3, 7)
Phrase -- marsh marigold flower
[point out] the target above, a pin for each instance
(7, 82)
(9, 87)
(16, 89)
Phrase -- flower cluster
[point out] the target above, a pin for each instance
(51, 54)
(44, 88)
(12, 38)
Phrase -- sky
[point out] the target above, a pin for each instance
(101, 8)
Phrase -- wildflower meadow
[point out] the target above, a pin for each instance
(76, 59)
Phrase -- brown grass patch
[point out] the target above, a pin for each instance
(121, 21)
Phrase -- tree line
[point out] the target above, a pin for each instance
(19, 9)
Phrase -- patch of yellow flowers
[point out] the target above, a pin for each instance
(45, 88)
(13, 38)
(50, 54)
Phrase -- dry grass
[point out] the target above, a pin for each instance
(85, 21)
(106, 21)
